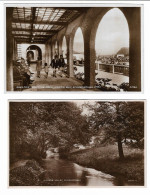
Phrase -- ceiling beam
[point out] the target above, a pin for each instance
(40, 22)
(79, 9)
(22, 38)
(32, 36)
(34, 30)
(27, 39)
(35, 42)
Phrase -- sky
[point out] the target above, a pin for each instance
(80, 104)
(112, 34)
(78, 41)
(64, 46)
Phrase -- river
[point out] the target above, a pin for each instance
(62, 172)
(66, 173)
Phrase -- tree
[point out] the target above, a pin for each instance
(37, 126)
(119, 121)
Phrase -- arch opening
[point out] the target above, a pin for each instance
(64, 48)
(56, 48)
(78, 54)
(112, 49)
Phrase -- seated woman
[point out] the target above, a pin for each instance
(21, 74)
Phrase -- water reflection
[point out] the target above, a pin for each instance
(65, 173)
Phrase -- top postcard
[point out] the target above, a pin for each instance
(74, 48)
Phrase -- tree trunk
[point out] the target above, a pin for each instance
(120, 149)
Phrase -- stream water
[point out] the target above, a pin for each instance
(60, 172)
(66, 173)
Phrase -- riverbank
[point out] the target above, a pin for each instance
(25, 173)
(94, 166)
(105, 159)
(57, 172)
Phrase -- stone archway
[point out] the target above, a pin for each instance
(132, 16)
(34, 49)
(70, 41)
(112, 38)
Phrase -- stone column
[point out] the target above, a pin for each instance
(9, 50)
(135, 50)
(51, 46)
(48, 53)
(14, 49)
(133, 16)
(89, 58)
(49, 50)
(113, 68)
(57, 48)
(53, 49)
(69, 40)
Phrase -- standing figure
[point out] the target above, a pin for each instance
(61, 64)
(55, 65)
(29, 58)
(46, 70)
(39, 67)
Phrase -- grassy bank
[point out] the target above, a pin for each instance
(106, 159)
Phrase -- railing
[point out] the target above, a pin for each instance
(113, 68)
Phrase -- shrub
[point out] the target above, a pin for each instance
(27, 175)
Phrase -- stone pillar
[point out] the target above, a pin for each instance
(113, 68)
(46, 52)
(133, 16)
(69, 40)
(89, 58)
(9, 49)
(135, 50)
(14, 49)
(60, 47)
(97, 66)
(51, 50)
(16, 54)
(57, 48)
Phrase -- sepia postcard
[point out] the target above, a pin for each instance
(71, 47)
(77, 143)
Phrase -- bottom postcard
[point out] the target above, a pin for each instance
(76, 143)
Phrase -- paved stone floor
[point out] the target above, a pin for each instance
(67, 84)
(53, 84)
